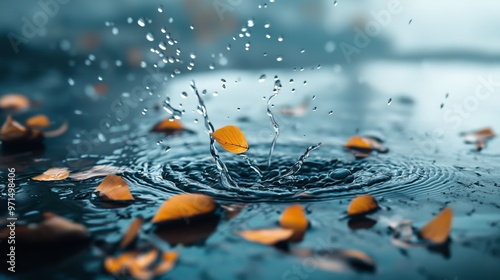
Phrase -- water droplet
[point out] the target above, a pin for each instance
(318, 67)
(314, 97)
(99, 78)
(167, 149)
(144, 111)
(159, 142)
(267, 25)
(250, 22)
(170, 20)
(130, 20)
(141, 22)
(114, 30)
(280, 38)
(162, 46)
(291, 81)
(410, 21)
(268, 36)
(447, 95)
(442, 105)
(215, 94)
(191, 27)
(262, 78)
(160, 9)
(335, 3)
(330, 113)
(389, 102)
(184, 94)
(293, 90)
(211, 66)
(302, 51)
(71, 82)
(195, 121)
(315, 108)
(228, 47)
(305, 83)
(279, 58)
(150, 37)
(239, 109)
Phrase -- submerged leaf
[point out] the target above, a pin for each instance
(437, 230)
(184, 206)
(132, 232)
(231, 138)
(38, 121)
(113, 187)
(14, 101)
(295, 219)
(52, 174)
(362, 204)
(267, 236)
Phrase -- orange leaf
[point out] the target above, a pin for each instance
(362, 204)
(168, 125)
(12, 130)
(184, 206)
(231, 138)
(113, 187)
(14, 101)
(53, 174)
(295, 219)
(438, 229)
(267, 236)
(56, 132)
(121, 263)
(168, 260)
(131, 232)
(357, 142)
(38, 121)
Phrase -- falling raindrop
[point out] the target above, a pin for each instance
(314, 97)
(291, 81)
(389, 102)
(302, 51)
(167, 149)
(191, 27)
(329, 47)
(262, 78)
(410, 21)
(280, 38)
(335, 3)
(71, 82)
(211, 66)
(99, 78)
(279, 58)
(160, 9)
(330, 113)
(250, 23)
(315, 109)
(141, 22)
(184, 94)
(305, 83)
(114, 30)
(150, 37)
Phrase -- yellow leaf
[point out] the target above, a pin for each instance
(267, 236)
(231, 138)
(184, 206)
(362, 204)
(38, 121)
(295, 219)
(438, 229)
(113, 187)
(53, 174)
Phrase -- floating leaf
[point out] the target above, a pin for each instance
(479, 137)
(141, 265)
(38, 121)
(132, 232)
(14, 101)
(56, 132)
(184, 206)
(362, 146)
(95, 171)
(437, 230)
(295, 219)
(231, 138)
(188, 232)
(53, 174)
(113, 187)
(362, 204)
(267, 236)
(232, 210)
(14, 135)
(168, 260)
(169, 127)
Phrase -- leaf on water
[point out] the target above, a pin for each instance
(184, 206)
(231, 138)
(132, 232)
(267, 236)
(337, 260)
(362, 146)
(188, 232)
(169, 127)
(38, 121)
(95, 171)
(14, 135)
(141, 265)
(362, 204)
(295, 219)
(168, 260)
(14, 101)
(478, 137)
(113, 187)
(56, 132)
(52, 174)
(437, 230)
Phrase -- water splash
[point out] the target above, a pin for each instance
(276, 127)
(296, 167)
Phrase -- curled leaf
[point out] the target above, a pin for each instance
(38, 121)
(267, 236)
(113, 187)
(16, 136)
(362, 204)
(437, 230)
(362, 146)
(295, 219)
(52, 174)
(170, 127)
(56, 132)
(132, 232)
(184, 206)
(231, 138)
(14, 101)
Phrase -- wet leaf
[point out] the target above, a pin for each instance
(295, 219)
(362, 204)
(267, 236)
(52, 174)
(132, 232)
(38, 121)
(113, 187)
(56, 132)
(231, 138)
(141, 265)
(168, 260)
(169, 127)
(362, 146)
(14, 135)
(478, 137)
(14, 101)
(95, 171)
(184, 206)
(437, 230)
(119, 264)
(188, 232)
